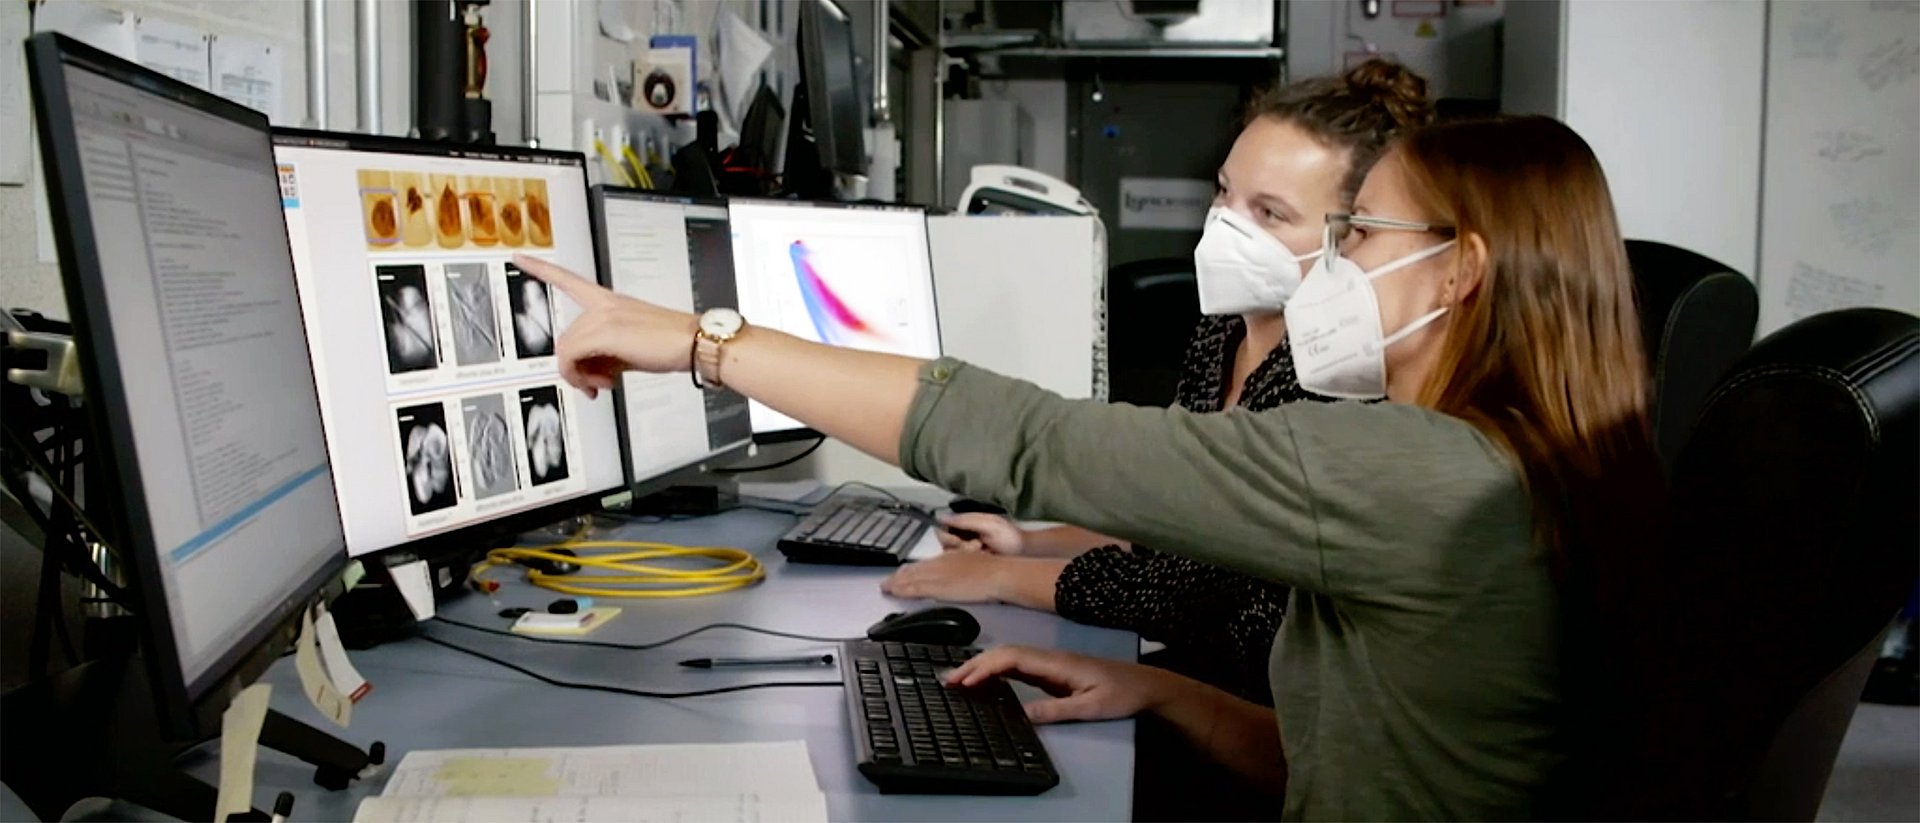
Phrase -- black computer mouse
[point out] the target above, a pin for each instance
(964, 505)
(940, 626)
(545, 566)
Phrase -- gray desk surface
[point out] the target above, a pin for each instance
(427, 697)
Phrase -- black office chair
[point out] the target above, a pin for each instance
(1794, 534)
(1697, 317)
(1152, 308)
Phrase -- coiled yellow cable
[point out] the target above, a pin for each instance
(736, 569)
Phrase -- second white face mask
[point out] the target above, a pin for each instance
(1333, 324)
(1241, 268)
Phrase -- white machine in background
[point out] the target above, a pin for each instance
(997, 190)
(1013, 190)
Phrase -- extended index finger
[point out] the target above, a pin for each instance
(583, 291)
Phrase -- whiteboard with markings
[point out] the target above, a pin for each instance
(1840, 192)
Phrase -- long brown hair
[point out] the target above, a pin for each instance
(1358, 111)
(1545, 356)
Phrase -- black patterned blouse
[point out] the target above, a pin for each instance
(1220, 621)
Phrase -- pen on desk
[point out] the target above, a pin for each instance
(282, 806)
(730, 662)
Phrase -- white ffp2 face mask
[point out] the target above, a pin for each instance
(1333, 322)
(1241, 268)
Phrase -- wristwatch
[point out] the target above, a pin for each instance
(716, 327)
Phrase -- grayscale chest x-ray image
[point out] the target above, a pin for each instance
(407, 317)
(429, 457)
(546, 436)
(532, 314)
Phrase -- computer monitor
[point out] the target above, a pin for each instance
(199, 382)
(848, 275)
(441, 394)
(675, 252)
(827, 135)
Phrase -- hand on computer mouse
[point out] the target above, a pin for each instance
(1083, 688)
(990, 532)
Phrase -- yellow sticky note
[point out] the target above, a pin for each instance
(498, 776)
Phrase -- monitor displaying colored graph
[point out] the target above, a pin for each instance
(844, 275)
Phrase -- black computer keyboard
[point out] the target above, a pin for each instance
(856, 530)
(912, 735)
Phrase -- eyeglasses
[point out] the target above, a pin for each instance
(1339, 225)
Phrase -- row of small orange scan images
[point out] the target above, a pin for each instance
(410, 210)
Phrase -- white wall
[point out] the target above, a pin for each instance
(1669, 94)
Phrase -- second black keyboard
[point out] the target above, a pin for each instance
(856, 530)
(913, 735)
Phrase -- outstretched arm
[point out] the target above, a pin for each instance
(1290, 495)
(857, 397)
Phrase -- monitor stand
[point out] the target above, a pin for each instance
(91, 732)
(691, 499)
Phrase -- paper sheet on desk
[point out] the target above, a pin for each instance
(745, 808)
(765, 769)
(744, 783)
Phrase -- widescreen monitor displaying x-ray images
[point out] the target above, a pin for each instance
(434, 352)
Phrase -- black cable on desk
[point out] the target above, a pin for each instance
(645, 646)
(595, 687)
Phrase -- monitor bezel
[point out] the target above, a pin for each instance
(603, 259)
(795, 435)
(499, 531)
(178, 708)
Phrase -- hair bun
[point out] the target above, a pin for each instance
(1396, 88)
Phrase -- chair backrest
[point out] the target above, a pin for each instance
(1794, 529)
(1697, 317)
(1152, 307)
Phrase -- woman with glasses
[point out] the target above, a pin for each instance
(1301, 156)
(1441, 546)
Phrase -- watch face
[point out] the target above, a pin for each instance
(721, 322)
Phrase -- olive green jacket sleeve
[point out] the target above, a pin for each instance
(1334, 498)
